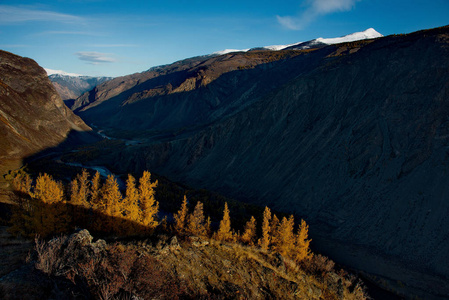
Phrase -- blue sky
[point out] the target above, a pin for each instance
(114, 38)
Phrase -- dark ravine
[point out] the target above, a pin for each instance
(351, 137)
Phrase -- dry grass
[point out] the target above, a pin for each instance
(103, 271)
(160, 267)
(234, 271)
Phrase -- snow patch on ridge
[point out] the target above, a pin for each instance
(280, 47)
(370, 33)
(226, 51)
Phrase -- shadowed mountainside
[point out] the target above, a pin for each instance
(185, 94)
(353, 137)
(32, 114)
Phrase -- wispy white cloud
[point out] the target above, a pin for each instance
(18, 14)
(66, 32)
(330, 6)
(314, 9)
(95, 58)
(296, 22)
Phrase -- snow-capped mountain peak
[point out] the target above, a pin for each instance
(369, 33)
(59, 72)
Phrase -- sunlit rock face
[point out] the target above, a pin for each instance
(32, 114)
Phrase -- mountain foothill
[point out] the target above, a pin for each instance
(349, 135)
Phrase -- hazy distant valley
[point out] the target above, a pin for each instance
(71, 87)
(350, 135)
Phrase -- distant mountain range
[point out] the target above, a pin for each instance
(189, 74)
(70, 86)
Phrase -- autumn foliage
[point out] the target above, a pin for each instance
(197, 224)
(112, 208)
(47, 207)
(249, 235)
(224, 231)
(278, 236)
(181, 217)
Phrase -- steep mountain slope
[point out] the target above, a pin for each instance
(32, 114)
(71, 87)
(352, 137)
(160, 87)
(186, 94)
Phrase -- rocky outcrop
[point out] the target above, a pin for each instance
(32, 114)
(59, 257)
(163, 267)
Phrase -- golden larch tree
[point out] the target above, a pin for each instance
(265, 241)
(131, 201)
(110, 196)
(196, 222)
(249, 235)
(224, 232)
(47, 190)
(79, 197)
(50, 212)
(181, 217)
(22, 183)
(93, 220)
(285, 241)
(149, 207)
(84, 188)
(302, 242)
(208, 226)
(130, 207)
(80, 189)
(74, 192)
(95, 190)
(75, 202)
(109, 204)
(274, 231)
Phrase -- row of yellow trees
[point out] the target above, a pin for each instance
(277, 235)
(47, 207)
(44, 208)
